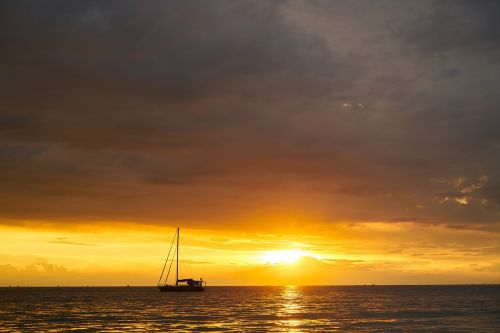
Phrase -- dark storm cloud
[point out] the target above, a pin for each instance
(456, 26)
(226, 110)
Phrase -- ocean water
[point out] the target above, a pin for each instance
(253, 309)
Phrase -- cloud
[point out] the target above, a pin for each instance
(456, 26)
(63, 240)
(495, 267)
(42, 265)
(223, 114)
(463, 193)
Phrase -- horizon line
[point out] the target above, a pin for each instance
(284, 285)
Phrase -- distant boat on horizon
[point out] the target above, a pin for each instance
(180, 284)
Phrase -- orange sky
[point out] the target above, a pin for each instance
(350, 253)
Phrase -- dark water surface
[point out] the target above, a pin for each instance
(253, 309)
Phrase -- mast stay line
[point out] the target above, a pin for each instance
(170, 267)
(165, 265)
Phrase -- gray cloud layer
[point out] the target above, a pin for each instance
(226, 110)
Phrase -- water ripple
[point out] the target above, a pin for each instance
(253, 309)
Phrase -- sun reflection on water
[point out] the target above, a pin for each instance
(290, 308)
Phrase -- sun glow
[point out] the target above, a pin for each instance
(282, 256)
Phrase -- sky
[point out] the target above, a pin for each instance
(294, 142)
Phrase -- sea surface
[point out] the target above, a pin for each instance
(474, 308)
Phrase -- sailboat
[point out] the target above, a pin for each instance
(180, 284)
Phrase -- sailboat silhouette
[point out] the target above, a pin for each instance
(180, 284)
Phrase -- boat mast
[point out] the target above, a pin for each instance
(177, 268)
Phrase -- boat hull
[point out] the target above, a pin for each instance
(180, 288)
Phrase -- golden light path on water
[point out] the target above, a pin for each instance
(290, 307)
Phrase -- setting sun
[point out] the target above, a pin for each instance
(282, 256)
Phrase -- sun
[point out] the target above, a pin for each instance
(282, 256)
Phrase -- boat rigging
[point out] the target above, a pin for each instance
(180, 284)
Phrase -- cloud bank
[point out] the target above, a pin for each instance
(232, 112)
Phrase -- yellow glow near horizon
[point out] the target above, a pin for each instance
(344, 254)
(282, 256)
